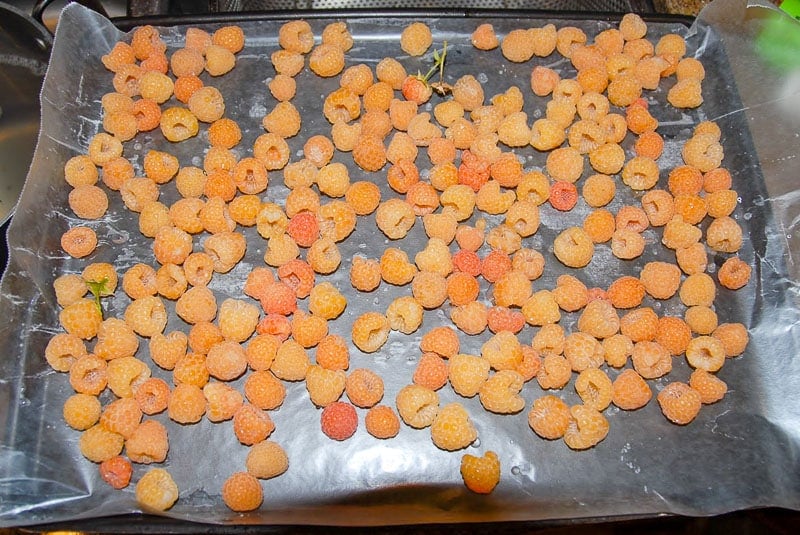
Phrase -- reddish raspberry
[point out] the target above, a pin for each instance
(276, 325)
(415, 90)
(495, 265)
(474, 171)
(467, 262)
(563, 195)
(258, 281)
(303, 228)
(279, 298)
(298, 275)
(432, 371)
(339, 420)
(505, 319)
(116, 471)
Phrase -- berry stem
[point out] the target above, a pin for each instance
(98, 288)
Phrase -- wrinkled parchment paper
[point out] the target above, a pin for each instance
(741, 452)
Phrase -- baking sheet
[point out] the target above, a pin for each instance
(739, 453)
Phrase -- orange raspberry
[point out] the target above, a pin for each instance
(500, 318)
(266, 460)
(279, 298)
(364, 388)
(187, 404)
(242, 492)
(121, 416)
(223, 401)
(587, 427)
(298, 275)
(679, 402)
(339, 420)
(549, 417)
(431, 372)
(276, 325)
(467, 261)
(709, 386)
(369, 153)
(452, 428)
(382, 422)
(99, 444)
(563, 195)
(81, 411)
(148, 443)
(252, 425)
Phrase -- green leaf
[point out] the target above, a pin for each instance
(98, 289)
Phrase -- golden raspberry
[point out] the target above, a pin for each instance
(480, 474)
(587, 428)
(333, 353)
(679, 402)
(395, 267)
(88, 374)
(251, 425)
(324, 386)
(230, 37)
(99, 444)
(452, 428)
(365, 273)
(431, 371)
(64, 349)
(187, 404)
(640, 324)
(369, 153)
(440, 340)
(115, 339)
(594, 388)
(583, 351)
(197, 305)
(242, 492)
(471, 318)
(651, 360)
(326, 60)
(219, 60)
(326, 301)
(156, 490)
(291, 362)
(462, 288)
(237, 319)
(549, 417)
(81, 411)
(382, 422)
(226, 360)
(69, 289)
(191, 369)
(661, 279)
(323, 256)
(417, 405)
(710, 387)
(364, 197)
(148, 443)
(554, 373)
(416, 38)
(500, 393)
(223, 401)
(570, 293)
(81, 319)
(573, 247)
(503, 351)
(121, 416)
(734, 338)
(336, 33)
(404, 314)
(266, 460)
(370, 331)
(88, 202)
(467, 373)
(599, 319)
(152, 396)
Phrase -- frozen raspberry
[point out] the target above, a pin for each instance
(148, 443)
(370, 331)
(278, 298)
(452, 428)
(549, 417)
(326, 301)
(237, 319)
(191, 369)
(291, 362)
(226, 360)
(81, 319)
(587, 428)
(187, 404)
(599, 319)
(431, 372)
(679, 402)
(382, 422)
(417, 405)
(116, 471)
(495, 265)
(339, 420)
(333, 353)
(480, 474)
(630, 391)
(324, 386)
(252, 425)
(467, 261)
(364, 388)
(242, 492)
(276, 325)
(99, 444)
(121, 416)
(156, 490)
(710, 387)
(500, 393)
(223, 401)
(266, 460)
(440, 340)
(369, 153)
(64, 349)
(467, 374)
(81, 411)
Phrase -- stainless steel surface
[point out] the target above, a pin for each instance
(24, 51)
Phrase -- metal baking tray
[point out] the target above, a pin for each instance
(645, 467)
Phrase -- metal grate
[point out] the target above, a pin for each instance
(227, 6)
